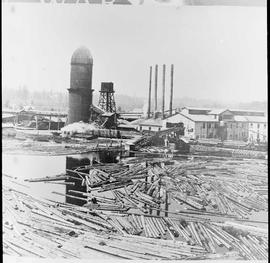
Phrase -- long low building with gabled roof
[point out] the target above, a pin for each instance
(240, 125)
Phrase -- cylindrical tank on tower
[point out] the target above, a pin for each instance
(80, 91)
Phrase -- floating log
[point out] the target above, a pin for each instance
(48, 179)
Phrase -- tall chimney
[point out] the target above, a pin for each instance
(149, 95)
(156, 80)
(80, 89)
(163, 91)
(171, 95)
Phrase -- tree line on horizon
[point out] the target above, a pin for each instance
(20, 97)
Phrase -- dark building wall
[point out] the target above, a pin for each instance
(70, 164)
(8, 119)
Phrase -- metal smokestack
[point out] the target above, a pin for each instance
(156, 80)
(149, 95)
(171, 95)
(163, 91)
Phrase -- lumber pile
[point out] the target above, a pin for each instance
(227, 151)
(225, 189)
(152, 149)
(199, 187)
(147, 209)
(38, 228)
(42, 229)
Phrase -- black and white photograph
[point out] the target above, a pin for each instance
(134, 130)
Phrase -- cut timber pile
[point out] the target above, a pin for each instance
(153, 149)
(219, 190)
(36, 228)
(212, 202)
(228, 152)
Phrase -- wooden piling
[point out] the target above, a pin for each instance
(166, 203)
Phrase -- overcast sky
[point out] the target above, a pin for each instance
(219, 53)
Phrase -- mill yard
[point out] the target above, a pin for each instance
(149, 206)
(178, 184)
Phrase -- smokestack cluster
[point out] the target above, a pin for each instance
(149, 95)
(156, 84)
(163, 91)
(171, 94)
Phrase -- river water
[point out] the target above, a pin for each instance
(31, 166)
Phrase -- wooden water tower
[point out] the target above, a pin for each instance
(106, 98)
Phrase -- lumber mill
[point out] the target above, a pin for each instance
(183, 183)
